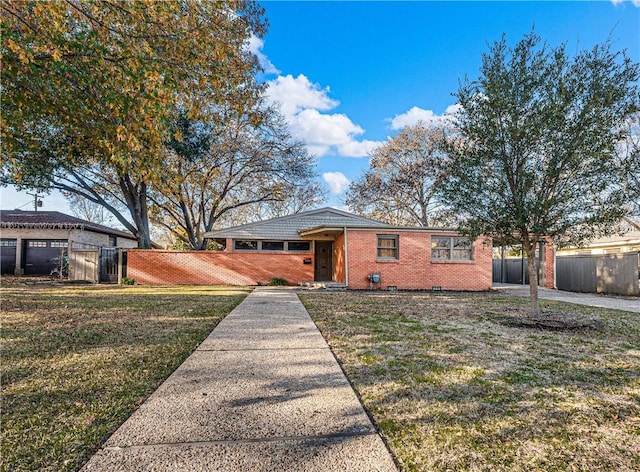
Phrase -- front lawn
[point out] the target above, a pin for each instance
(77, 360)
(455, 384)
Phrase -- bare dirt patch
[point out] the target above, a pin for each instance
(551, 320)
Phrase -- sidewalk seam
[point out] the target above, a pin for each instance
(265, 349)
(222, 442)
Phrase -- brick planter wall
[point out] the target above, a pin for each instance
(151, 267)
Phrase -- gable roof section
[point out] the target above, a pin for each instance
(54, 220)
(288, 227)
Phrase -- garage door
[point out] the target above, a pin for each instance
(7, 256)
(43, 256)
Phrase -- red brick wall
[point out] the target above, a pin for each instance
(151, 267)
(549, 264)
(414, 270)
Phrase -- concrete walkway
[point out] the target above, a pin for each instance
(262, 393)
(589, 299)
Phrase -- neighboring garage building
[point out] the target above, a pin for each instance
(36, 242)
(325, 246)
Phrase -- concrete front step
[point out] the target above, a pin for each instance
(326, 285)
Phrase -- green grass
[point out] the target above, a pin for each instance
(78, 360)
(454, 387)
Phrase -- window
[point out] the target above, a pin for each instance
(59, 243)
(450, 248)
(245, 245)
(37, 244)
(273, 245)
(387, 247)
(299, 246)
(113, 241)
(8, 243)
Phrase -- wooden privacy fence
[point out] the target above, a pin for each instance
(608, 273)
(511, 271)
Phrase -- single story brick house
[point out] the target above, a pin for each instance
(325, 245)
(35, 242)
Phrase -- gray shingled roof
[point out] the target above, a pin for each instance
(287, 227)
(54, 220)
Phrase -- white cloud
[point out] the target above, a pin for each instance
(302, 102)
(255, 46)
(417, 114)
(358, 148)
(337, 182)
(297, 94)
(635, 3)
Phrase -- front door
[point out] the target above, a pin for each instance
(324, 261)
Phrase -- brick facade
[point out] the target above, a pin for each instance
(414, 270)
(151, 267)
(549, 264)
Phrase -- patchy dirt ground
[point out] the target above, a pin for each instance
(466, 382)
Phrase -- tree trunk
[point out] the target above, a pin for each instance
(136, 197)
(530, 247)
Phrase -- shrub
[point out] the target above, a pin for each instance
(128, 281)
(278, 281)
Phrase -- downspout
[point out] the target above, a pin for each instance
(346, 258)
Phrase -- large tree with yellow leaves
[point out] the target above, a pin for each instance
(96, 83)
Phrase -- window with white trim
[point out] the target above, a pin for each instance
(450, 248)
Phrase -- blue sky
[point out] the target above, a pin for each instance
(349, 74)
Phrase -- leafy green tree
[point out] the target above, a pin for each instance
(629, 155)
(404, 177)
(94, 83)
(536, 152)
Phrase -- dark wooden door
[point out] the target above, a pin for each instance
(324, 261)
(109, 265)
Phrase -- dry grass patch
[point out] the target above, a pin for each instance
(454, 387)
(77, 360)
